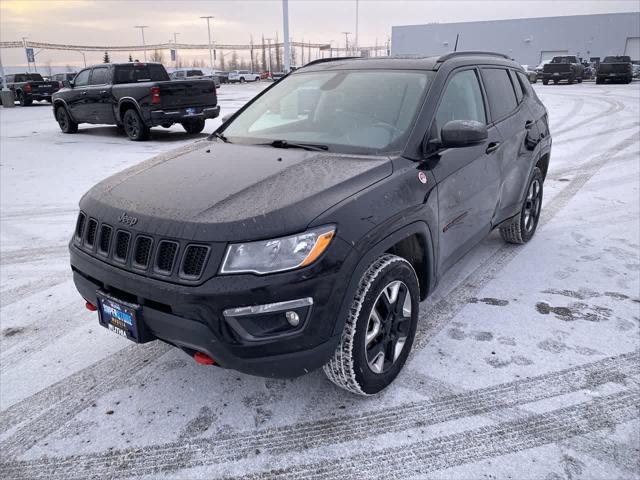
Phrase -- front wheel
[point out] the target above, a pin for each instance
(522, 227)
(193, 126)
(64, 121)
(242, 80)
(545, 82)
(380, 328)
(134, 127)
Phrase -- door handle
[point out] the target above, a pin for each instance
(529, 124)
(492, 147)
(103, 92)
(83, 93)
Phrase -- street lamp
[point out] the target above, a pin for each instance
(144, 46)
(84, 57)
(285, 28)
(209, 17)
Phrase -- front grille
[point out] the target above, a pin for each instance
(194, 260)
(122, 245)
(142, 251)
(80, 225)
(92, 227)
(166, 256)
(105, 239)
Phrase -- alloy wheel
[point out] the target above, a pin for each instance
(532, 205)
(388, 327)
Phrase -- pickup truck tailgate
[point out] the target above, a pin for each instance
(44, 87)
(187, 93)
(557, 68)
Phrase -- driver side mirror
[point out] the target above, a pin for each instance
(68, 83)
(463, 133)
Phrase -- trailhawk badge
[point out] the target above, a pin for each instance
(124, 218)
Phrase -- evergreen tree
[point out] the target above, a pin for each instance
(106, 58)
(264, 55)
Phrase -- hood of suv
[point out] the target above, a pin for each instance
(225, 192)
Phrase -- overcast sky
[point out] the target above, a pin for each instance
(103, 22)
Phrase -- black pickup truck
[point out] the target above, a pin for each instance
(563, 68)
(28, 87)
(618, 68)
(136, 97)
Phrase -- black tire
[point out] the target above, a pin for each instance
(555, 82)
(545, 82)
(599, 81)
(242, 80)
(166, 125)
(23, 100)
(522, 227)
(357, 364)
(134, 127)
(193, 126)
(570, 80)
(580, 80)
(67, 125)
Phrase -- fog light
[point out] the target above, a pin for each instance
(293, 318)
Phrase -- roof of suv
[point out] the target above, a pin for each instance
(409, 63)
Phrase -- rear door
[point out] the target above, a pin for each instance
(76, 98)
(99, 96)
(514, 120)
(468, 178)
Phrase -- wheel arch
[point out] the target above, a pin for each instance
(60, 102)
(125, 104)
(412, 242)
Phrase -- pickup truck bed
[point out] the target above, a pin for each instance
(615, 68)
(135, 96)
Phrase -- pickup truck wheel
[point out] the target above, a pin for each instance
(242, 80)
(23, 100)
(64, 120)
(580, 80)
(380, 328)
(134, 127)
(523, 226)
(545, 82)
(570, 81)
(193, 126)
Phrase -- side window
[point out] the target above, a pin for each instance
(462, 100)
(82, 79)
(502, 98)
(100, 76)
(516, 85)
(8, 79)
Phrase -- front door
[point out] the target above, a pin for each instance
(77, 100)
(99, 96)
(469, 177)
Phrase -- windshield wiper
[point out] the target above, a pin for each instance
(304, 146)
(221, 137)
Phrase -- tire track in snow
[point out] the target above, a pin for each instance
(174, 456)
(446, 309)
(7, 297)
(474, 445)
(27, 255)
(615, 107)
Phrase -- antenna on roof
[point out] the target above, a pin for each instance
(455, 49)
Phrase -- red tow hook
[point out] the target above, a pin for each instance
(203, 359)
(90, 306)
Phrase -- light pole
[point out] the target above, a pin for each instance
(144, 45)
(346, 43)
(175, 48)
(84, 57)
(285, 28)
(209, 17)
(355, 43)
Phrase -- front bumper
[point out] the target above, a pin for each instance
(192, 318)
(177, 115)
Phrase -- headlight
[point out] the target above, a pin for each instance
(277, 255)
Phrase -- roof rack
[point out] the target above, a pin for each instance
(451, 55)
(328, 59)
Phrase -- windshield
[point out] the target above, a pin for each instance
(347, 110)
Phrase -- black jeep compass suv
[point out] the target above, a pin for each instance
(305, 232)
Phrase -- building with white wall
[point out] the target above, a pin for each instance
(527, 40)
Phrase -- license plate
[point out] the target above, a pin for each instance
(612, 74)
(556, 74)
(118, 316)
(190, 111)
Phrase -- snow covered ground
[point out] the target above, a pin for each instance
(526, 363)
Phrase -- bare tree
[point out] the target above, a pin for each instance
(233, 63)
(157, 56)
(47, 67)
(222, 66)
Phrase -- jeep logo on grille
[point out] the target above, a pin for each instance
(124, 218)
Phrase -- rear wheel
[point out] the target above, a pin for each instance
(242, 80)
(64, 120)
(580, 80)
(193, 126)
(523, 226)
(24, 100)
(134, 127)
(545, 82)
(379, 331)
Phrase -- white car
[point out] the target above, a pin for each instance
(243, 76)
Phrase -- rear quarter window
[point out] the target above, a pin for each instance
(516, 86)
(140, 73)
(502, 97)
